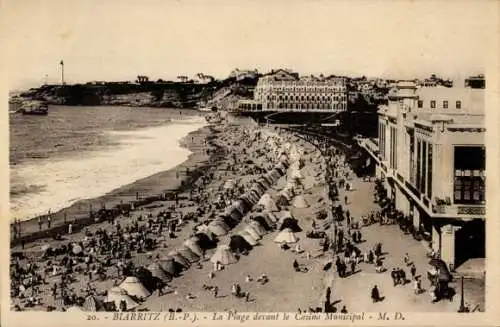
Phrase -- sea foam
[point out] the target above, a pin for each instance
(53, 185)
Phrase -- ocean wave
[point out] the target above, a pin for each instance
(80, 177)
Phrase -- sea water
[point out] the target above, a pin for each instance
(78, 153)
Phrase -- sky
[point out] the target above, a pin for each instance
(120, 39)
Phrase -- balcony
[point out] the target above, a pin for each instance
(460, 210)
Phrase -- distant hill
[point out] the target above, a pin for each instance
(222, 94)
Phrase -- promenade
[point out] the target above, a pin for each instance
(354, 291)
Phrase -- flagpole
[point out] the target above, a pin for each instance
(62, 72)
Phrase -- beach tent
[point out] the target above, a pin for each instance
(268, 203)
(240, 206)
(233, 212)
(171, 267)
(286, 236)
(290, 223)
(246, 200)
(249, 238)
(264, 219)
(300, 202)
(117, 294)
(179, 259)
(264, 183)
(223, 255)
(134, 287)
(93, 304)
(254, 233)
(192, 244)
(157, 271)
(239, 244)
(218, 228)
(204, 230)
(259, 228)
(185, 252)
(206, 240)
(253, 197)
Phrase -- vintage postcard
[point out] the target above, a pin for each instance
(256, 162)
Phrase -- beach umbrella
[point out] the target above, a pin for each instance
(157, 271)
(76, 249)
(93, 304)
(300, 202)
(250, 230)
(179, 259)
(239, 244)
(171, 267)
(223, 255)
(249, 238)
(286, 236)
(192, 244)
(134, 287)
(185, 252)
(117, 295)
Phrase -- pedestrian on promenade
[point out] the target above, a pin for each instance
(39, 223)
(353, 266)
(49, 221)
(344, 310)
(406, 259)
(393, 276)
(328, 294)
(345, 199)
(70, 229)
(417, 286)
(402, 276)
(413, 270)
(375, 294)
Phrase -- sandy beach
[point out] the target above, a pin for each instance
(258, 199)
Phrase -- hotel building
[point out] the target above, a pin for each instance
(431, 155)
(287, 92)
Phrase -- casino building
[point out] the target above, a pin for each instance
(430, 153)
(283, 91)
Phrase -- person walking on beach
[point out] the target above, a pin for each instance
(216, 291)
(413, 270)
(375, 294)
(328, 294)
(70, 229)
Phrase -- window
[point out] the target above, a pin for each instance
(469, 180)
(433, 104)
(459, 105)
(420, 103)
(445, 104)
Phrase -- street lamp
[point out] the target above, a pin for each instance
(462, 304)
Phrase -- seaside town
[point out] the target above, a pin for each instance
(302, 194)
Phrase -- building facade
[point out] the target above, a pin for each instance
(431, 155)
(286, 91)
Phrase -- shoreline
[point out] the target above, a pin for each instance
(149, 189)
